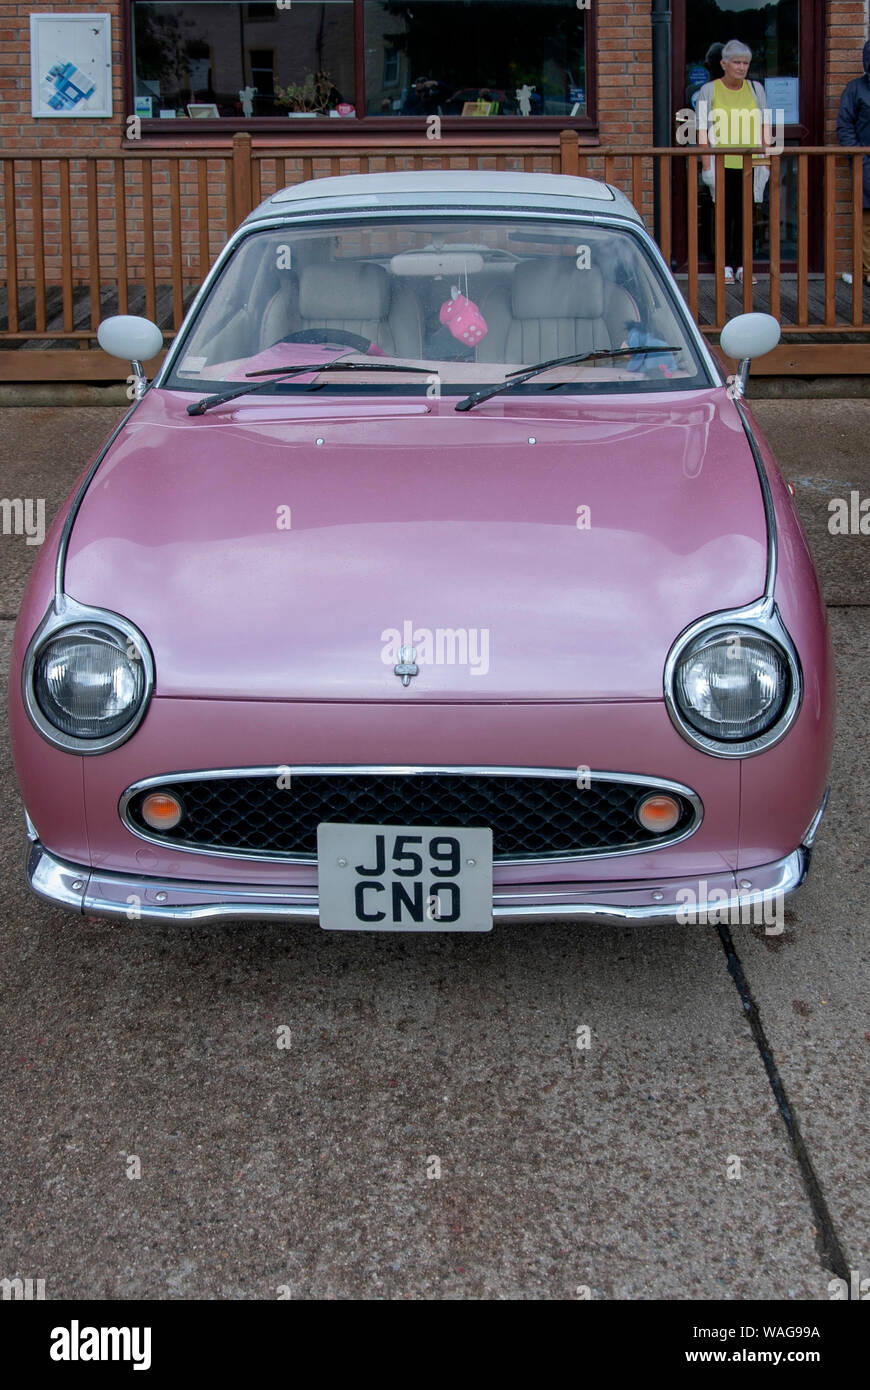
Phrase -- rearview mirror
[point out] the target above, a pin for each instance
(436, 263)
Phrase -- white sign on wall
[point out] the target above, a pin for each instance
(71, 65)
(783, 94)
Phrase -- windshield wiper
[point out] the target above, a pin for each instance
(526, 373)
(274, 373)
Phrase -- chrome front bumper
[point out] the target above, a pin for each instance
(137, 899)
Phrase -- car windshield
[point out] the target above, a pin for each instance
(470, 298)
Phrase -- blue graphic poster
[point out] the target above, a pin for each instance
(70, 65)
(68, 86)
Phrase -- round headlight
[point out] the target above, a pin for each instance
(89, 681)
(732, 684)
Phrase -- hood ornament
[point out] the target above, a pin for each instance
(407, 666)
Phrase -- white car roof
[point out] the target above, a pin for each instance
(443, 188)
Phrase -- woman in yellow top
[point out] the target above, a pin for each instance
(732, 111)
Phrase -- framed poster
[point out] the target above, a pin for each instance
(71, 65)
(480, 108)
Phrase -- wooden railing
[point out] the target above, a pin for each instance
(818, 303)
(136, 231)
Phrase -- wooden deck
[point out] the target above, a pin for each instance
(788, 304)
(54, 335)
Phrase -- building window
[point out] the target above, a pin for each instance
(309, 49)
(488, 57)
(261, 66)
(520, 59)
(392, 68)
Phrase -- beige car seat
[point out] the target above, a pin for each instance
(553, 309)
(356, 297)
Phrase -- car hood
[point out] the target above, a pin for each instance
(529, 549)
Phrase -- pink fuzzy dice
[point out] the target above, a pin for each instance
(464, 319)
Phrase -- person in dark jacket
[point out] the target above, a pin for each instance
(853, 128)
(424, 98)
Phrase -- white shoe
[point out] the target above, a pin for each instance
(846, 277)
(729, 275)
(740, 276)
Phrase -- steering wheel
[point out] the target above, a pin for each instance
(329, 335)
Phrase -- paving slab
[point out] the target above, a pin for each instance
(812, 983)
(432, 1129)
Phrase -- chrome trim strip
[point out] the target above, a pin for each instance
(53, 879)
(767, 501)
(766, 619)
(71, 613)
(63, 544)
(338, 770)
(809, 838)
(135, 898)
(762, 614)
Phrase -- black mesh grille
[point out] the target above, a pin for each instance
(530, 817)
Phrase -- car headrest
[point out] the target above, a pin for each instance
(350, 291)
(556, 289)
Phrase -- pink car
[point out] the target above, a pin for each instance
(438, 579)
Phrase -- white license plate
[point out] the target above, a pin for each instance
(404, 878)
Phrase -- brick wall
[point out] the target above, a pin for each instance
(19, 129)
(846, 35)
(846, 38)
(624, 72)
(625, 86)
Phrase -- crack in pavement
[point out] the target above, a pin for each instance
(828, 1244)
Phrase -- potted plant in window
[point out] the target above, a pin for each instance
(312, 97)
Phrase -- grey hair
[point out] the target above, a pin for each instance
(735, 49)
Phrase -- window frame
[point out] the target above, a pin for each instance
(809, 130)
(366, 129)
